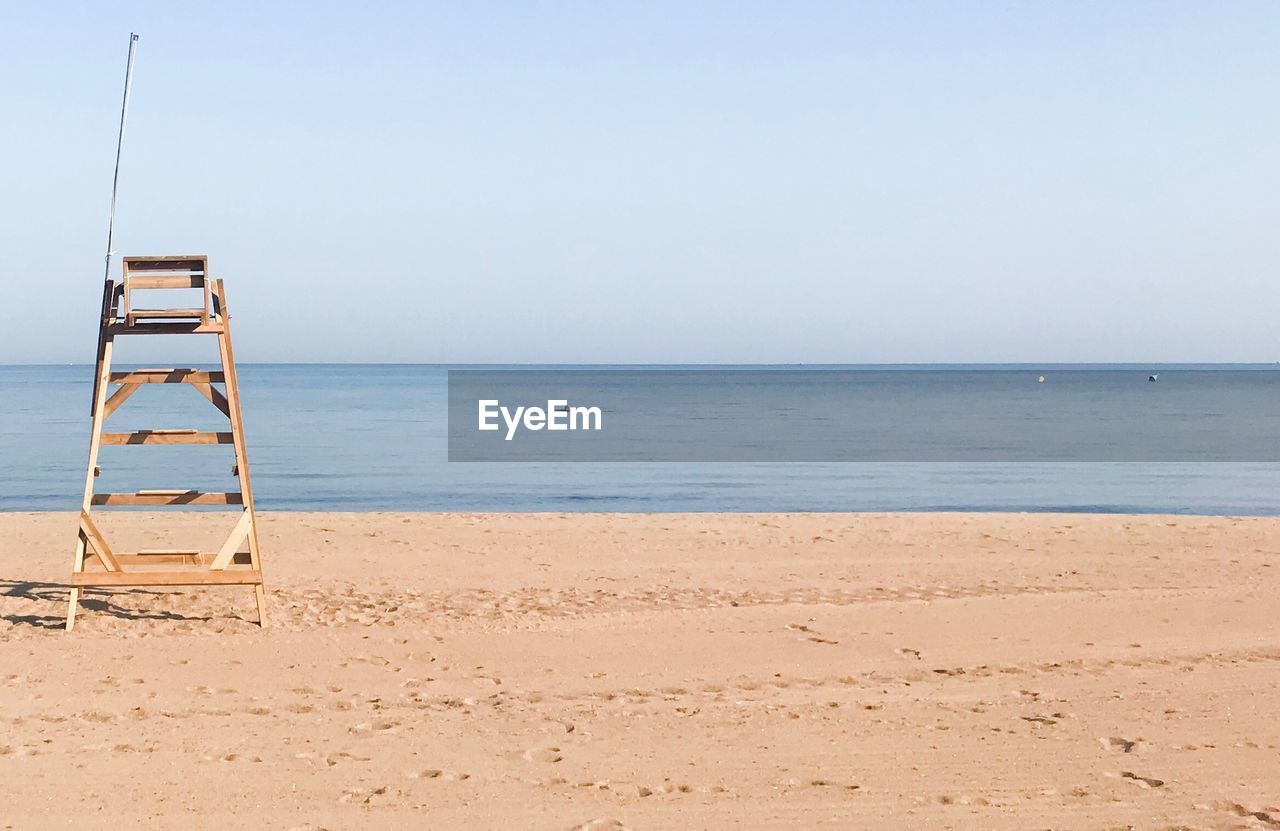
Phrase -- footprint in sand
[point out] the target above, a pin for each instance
(558, 726)
(1271, 818)
(368, 728)
(362, 796)
(546, 755)
(1142, 781)
(1118, 743)
(436, 773)
(809, 634)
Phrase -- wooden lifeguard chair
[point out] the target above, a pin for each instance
(96, 563)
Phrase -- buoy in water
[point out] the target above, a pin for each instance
(1040, 380)
(1153, 378)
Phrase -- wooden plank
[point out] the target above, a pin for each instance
(73, 597)
(155, 556)
(199, 558)
(215, 397)
(207, 294)
(105, 346)
(166, 498)
(167, 376)
(100, 546)
(101, 373)
(117, 398)
(181, 262)
(126, 295)
(108, 312)
(215, 292)
(167, 437)
(147, 558)
(185, 327)
(237, 535)
(242, 454)
(165, 281)
(137, 315)
(167, 578)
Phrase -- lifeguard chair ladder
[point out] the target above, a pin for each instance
(122, 316)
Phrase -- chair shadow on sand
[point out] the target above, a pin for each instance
(99, 601)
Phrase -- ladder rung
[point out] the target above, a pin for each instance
(165, 578)
(164, 281)
(186, 327)
(167, 376)
(167, 437)
(151, 556)
(160, 556)
(149, 314)
(166, 498)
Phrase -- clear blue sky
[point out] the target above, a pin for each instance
(659, 182)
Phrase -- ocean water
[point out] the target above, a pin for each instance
(374, 437)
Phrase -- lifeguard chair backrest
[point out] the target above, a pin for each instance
(183, 272)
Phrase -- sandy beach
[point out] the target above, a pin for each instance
(654, 672)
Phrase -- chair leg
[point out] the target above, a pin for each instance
(260, 595)
(71, 609)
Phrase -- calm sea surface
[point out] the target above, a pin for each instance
(373, 437)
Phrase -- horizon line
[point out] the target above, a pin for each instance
(808, 364)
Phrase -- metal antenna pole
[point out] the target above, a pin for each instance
(115, 179)
(108, 289)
